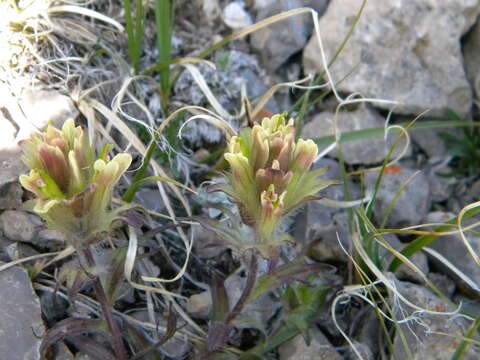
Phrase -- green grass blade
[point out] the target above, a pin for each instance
(377, 132)
(472, 333)
(164, 12)
(140, 173)
(425, 240)
(130, 32)
(139, 31)
(135, 29)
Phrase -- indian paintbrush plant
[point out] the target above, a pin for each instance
(270, 176)
(73, 192)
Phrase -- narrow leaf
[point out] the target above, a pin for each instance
(71, 327)
(283, 276)
(92, 348)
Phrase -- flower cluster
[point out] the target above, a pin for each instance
(270, 173)
(73, 190)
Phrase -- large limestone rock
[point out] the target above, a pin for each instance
(277, 42)
(427, 336)
(11, 167)
(366, 151)
(471, 52)
(21, 326)
(319, 348)
(408, 51)
(35, 109)
(411, 204)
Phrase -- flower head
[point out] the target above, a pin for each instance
(73, 190)
(270, 173)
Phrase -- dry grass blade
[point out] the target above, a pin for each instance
(118, 99)
(452, 267)
(138, 145)
(467, 244)
(341, 204)
(129, 264)
(86, 12)
(268, 95)
(387, 282)
(202, 84)
(58, 256)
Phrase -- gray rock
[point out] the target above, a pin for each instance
(205, 243)
(81, 356)
(262, 4)
(327, 246)
(234, 68)
(19, 250)
(277, 42)
(177, 347)
(317, 5)
(235, 16)
(11, 167)
(441, 187)
(431, 143)
(469, 306)
(413, 203)
(319, 215)
(443, 283)
(453, 249)
(466, 193)
(41, 107)
(150, 199)
(319, 348)
(52, 240)
(11, 196)
(211, 10)
(54, 307)
(19, 225)
(199, 305)
(369, 331)
(4, 243)
(408, 52)
(471, 54)
(21, 326)
(322, 223)
(359, 351)
(426, 336)
(7, 133)
(368, 151)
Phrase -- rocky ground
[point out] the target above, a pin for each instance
(424, 54)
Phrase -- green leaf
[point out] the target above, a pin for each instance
(115, 274)
(220, 304)
(453, 115)
(305, 302)
(472, 333)
(425, 240)
(71, 327)
(284, 275)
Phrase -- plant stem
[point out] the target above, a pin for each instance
(247, 290)
(118, 345)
